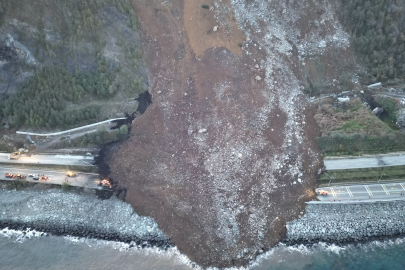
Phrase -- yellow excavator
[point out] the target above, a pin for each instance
(321, 192)
(15, 155)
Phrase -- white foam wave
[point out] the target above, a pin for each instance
(21, 236)
(172, 253)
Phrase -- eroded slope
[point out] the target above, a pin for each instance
(226, 155)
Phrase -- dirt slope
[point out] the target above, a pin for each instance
(225, 155)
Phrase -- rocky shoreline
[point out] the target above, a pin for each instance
(347, 223)
(62, 213)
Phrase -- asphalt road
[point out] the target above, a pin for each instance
(364, 192)
(70, 130)
(89, 180)
(49, 159)
(364, 162)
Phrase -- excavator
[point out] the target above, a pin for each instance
(15, 155)
(70, 174)
(322, 192)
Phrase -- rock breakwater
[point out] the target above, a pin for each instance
(340, 223)
(63, 213)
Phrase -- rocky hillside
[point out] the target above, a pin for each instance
(226, 153)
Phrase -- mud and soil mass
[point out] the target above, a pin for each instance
(226, 152)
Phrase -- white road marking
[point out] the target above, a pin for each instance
(402, 185)
(333, 192)
(348, 191)
(368, 190)
(386, 190)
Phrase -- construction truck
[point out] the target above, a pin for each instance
(70, 174)
(322, 192)
(15, 155)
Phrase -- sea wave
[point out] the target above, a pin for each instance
(21, 235)
(275, 258)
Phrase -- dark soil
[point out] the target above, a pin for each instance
(200, 160)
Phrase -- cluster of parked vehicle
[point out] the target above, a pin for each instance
(15, 176)
(39, 177)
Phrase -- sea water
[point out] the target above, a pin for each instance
(33, 250)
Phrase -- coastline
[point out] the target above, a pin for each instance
(68, 213)
(347, 223)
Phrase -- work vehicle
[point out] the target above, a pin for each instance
(105, 183)
(9, 175)
(19, 176)
(322, 192)
(15, 155)
(35, 177)
(70, 174)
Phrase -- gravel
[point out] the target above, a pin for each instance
(64, 213)
(341, 223)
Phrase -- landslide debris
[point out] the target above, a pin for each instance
(225, 155)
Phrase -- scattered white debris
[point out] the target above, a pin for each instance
(322, 44)
(258, 78)
(215, 28)
(343, 99)
(375, 85)
(378, 110)
(202, 130)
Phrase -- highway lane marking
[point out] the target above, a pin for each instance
(368, 190)
(386, 190)
(348, 191)
(402, 185)
(333, 192)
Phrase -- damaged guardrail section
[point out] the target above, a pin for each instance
(343, 223)
(63, 213)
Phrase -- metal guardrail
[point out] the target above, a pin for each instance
(70, 130)
(344, 183)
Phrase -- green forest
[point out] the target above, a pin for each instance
(42, 100)
(358, 144)
(377, 30)
(58, 92)
(75, 15)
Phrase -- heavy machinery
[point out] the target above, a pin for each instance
(43, 178)
(321, 192)
(19, 176)
(15, 155)
(9, 175)
(70, 174)
(105, 183)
